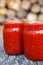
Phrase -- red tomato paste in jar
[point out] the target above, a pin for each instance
(33, 41)
(13, 38)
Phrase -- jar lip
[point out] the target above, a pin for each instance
(34, 21)
(11, 21)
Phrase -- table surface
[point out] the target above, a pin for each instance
(14, 60)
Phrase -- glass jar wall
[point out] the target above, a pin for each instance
(33, 40)
(13, 37)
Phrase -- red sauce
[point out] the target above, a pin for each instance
(13, 38)
(33, 41)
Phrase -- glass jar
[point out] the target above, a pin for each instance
(33, 40)
(13, 37)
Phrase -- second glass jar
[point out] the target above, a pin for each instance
(33, 40)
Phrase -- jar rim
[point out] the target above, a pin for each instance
(34, 21)
(11, 21)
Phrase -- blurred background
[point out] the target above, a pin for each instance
(21, 9)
